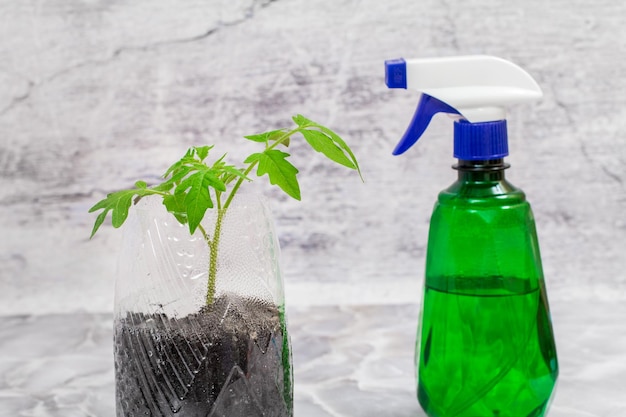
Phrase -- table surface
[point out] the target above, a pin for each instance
(350, 361)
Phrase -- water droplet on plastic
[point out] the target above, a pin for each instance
(196, 275)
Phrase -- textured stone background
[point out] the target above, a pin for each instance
(96, 94)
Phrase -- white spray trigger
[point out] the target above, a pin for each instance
(479, 87)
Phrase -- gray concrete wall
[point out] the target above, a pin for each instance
(97, 94)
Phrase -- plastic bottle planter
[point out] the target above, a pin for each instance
(176, 355)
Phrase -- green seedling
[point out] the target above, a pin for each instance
(191, 186)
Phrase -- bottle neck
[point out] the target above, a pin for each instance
(481, 170)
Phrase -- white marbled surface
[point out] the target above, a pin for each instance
(348, 362)
(95, 94)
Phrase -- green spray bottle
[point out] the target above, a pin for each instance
(485, 341)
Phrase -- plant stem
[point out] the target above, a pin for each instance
(237, 185)
(213, 252)
(221, 211)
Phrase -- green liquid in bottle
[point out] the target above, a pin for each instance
(486, 346)
(486, 354)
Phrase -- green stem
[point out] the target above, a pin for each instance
(237, 185)
(286, 136)
(204, 234)
(213, 252)
(221, 211)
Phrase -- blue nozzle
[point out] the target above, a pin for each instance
(395, 73)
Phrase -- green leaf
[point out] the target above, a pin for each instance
(197, 197)
(280, 171)
(98, 223)
(186, 160)
(118, 203)
(203, 151)
(141, 184)
(343, 145)
(267, 136)
(174, 203)
(219, 163)
(255, 157)
(302, 121)
(177, 176)
(174, 167)
(325, 145)
(120, 211)
(235, 171)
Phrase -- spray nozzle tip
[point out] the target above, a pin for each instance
(395, 73)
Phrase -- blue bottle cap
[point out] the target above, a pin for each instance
(480, 141)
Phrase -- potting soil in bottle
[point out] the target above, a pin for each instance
(230, 359)
(485, 341)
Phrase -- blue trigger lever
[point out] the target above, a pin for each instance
(426, 109)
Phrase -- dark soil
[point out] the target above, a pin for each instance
(231, 359)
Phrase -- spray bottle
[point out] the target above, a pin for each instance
(485, 341)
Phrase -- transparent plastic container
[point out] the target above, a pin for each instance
(176, 354)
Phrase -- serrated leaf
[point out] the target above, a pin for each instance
(325, 145)
(280, 171)
(203, 151)
(197, 197)
(118, 203)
